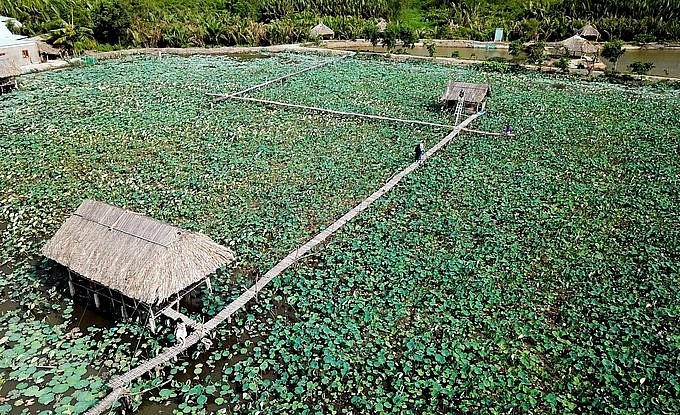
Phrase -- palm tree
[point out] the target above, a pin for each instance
(69, 36)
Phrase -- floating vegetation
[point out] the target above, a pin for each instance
(537, 273)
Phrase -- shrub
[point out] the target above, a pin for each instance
(563, 64)
(495, 66)
(641, 68)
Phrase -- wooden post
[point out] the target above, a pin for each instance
(152, 321)
(71, 287)
(208, 285)
(123, 310)
(96, 301)
(113, 302)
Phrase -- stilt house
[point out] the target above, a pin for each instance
(8, 73)
(473, 95)
(124, 261)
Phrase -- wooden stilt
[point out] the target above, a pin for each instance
(71, 287)
(152, 321)
(208, 285)
(123, 309)
(97, 304)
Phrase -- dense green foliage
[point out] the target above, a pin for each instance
(152, 23)
(534, 274)
(641, 68)
(613, 50)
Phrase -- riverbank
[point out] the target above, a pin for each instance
(666, 58)
(458, 52)
(226, 50)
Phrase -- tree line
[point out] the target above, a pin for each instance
(101, 24)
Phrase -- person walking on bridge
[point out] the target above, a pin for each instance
(419, 151)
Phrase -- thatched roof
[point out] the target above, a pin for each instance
(472, 92)
(382, 25)
(139, 256)
(321, 30)
(48, 49)
(9, 68)
(44, 47)
(589, 31)
(577, 44)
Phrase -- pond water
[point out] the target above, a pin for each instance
(442, 51)
(666, 61)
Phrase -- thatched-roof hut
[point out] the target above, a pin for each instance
(589, 32)
(578, 46)
(322, 31)
(473, 95)
(9, 70)
(382, 25)
(46, 50)
(118, 252)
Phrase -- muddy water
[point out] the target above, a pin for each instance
(481, 53)
(666, 61)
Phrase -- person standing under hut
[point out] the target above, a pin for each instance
(180, 331)
(419, 151)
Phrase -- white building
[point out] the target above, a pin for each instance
(16, 48)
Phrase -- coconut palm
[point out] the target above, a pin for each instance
(69, 36)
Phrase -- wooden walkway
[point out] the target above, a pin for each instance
(224, 97)
(468, 130)
(336, 112)
(120, 383)
(174, 315)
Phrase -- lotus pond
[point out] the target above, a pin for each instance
(538, 274)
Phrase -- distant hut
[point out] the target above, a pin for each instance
(382, 25)
(47, 52)
(124, 261)
(578, 46)
(9, 70)
(473, 95)
(589, 32)
(322, 31)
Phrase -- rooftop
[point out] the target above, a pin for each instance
(138, 256)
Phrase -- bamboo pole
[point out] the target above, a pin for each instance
(343, 113)
(468, 130)
(224, 97)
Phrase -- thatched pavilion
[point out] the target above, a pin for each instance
(589, 32)
(473, 95)
(322, 31)
(576, 45)
(9, 70)
(130, 262)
